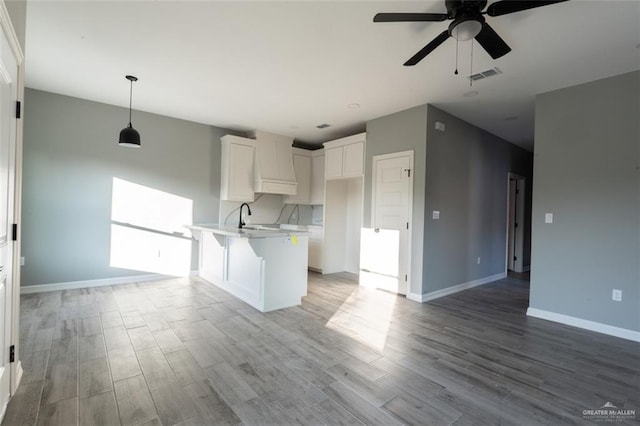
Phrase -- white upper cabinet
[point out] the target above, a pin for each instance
(309, 170)
(317, 177)
(236, 183)
(353, 159)
(344, 158)
(332, 162)
(302, 169)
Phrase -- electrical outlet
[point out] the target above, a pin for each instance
(478, 261)
(548, 218)
(22, 261)
(616, 295)
(435, 215)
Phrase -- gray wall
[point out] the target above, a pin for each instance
(466, 181)
(463, 173)
(587, 162)
(18, 13)
(71, 156)
(402, 131)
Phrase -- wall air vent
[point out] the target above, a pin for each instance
(323, 126)
(484, 74)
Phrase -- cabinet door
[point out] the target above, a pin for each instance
(240, 173)
(315, 254)
(315, 249)
(353, 159)
(333, 163)
(317, 180)
(302, 169)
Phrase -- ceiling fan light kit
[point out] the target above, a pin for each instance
(468, 23)
(465, 29)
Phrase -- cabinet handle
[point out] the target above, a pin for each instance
(376, 230)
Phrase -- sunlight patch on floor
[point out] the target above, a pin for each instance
(366, 317)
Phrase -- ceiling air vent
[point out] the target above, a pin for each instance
(484, 74)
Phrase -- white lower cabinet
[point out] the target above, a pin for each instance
(315, 236)
(315, 248)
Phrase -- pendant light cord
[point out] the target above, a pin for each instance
(471, 79)
(130, 97)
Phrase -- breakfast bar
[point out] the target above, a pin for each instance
(265, 267)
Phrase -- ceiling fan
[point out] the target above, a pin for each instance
(468, 23)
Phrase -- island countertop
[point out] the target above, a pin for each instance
(249, 231)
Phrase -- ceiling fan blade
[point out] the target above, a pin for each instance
(410, 17)
(427, 49)
(492, 42)
(505, 7)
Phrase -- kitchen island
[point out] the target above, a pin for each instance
(265, 267)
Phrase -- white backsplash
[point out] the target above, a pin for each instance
(317, 215)
(269, 209)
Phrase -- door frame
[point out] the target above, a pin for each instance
(518, 249)
(374, 177)
(15, 369)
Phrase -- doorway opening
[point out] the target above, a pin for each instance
(515, 224)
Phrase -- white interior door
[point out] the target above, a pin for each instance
(392, 204)
(8, 96)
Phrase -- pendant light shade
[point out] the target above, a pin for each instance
(129, 137)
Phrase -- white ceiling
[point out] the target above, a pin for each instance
(286, 67)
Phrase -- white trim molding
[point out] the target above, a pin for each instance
(73, 285)
(19, 372)
(611, 330)
(10, 33)
(454, 289)
(416, 297)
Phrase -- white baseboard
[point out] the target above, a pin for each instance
(18, 372)
(73, 285)
(611, 330)
(4, 411)
(454, 289)
(416, 297)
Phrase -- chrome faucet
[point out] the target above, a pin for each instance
(241, 222)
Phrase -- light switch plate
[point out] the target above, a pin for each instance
(435, 215)
(616, 295)
(548, 218)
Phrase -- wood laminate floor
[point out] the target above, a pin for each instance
(184, 352)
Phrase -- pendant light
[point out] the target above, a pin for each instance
(129, 137)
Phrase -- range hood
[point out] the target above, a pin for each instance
(273, 172)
